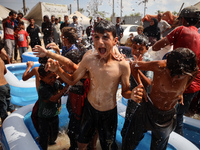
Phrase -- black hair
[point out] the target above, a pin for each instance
(30, 19)
(52, 15)
(42, 72)
(141, 39)
(191, 21)
(182, 61)
(20, 14)
(75, 55)
(11, 13)
(56, 19)
(103, 26)
(43, 60)
(70, 33)
(21, 23)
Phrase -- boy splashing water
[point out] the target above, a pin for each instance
(105, 73)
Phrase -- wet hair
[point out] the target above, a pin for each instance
(191, 21)
(182, 61)
(103, 26)
(21, 23)
(11, 13)
(43, 60)
(70, 33)
(42, 72)
(141, 39)
(75, 55)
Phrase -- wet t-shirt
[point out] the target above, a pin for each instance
(33, 33)
(187, 37)
(22, 35)
(47, 108)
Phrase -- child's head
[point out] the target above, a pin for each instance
(46, 76)
(70, 34)
(140, 30)
(43, 60)
(191, 15)
(105, 26)
(104, 38)
(140, 45)
(21, 25)
(75, 56)
(181, 61)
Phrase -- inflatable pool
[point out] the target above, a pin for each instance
(191, 128)
(18, 132)
(22, 92)
(29, 56)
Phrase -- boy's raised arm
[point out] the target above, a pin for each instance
(28, 74)
(67, 78)
(42, 52)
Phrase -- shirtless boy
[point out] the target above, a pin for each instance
(105, 73)
(5, 98)
(171, 78)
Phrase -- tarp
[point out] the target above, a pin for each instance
(41, 9)
(82, 19)
(4, 12)
(167, 16)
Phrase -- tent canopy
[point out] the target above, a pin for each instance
(41, 9)
(85, 21)
(4, 12)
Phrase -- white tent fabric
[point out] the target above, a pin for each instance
(82, 19)
(42, 8)
(4, 12)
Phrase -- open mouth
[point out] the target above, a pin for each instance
(102, 50)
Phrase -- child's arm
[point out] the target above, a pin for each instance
(54, 47)
(42, 52)
(27, 75)
(27, 42)
(57, 96)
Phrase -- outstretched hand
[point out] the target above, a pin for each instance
(40, 51)
(54, 46)
(52, 65)
(137, 93)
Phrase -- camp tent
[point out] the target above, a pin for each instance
(4, 12)
(85, 21)
(42, 8)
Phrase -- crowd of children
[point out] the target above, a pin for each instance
(153, 88)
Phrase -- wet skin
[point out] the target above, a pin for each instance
(2, 72)
(166, 90)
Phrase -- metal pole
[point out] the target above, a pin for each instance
(70, 6)
(24, 7)
(77, 5)
(113, 9)
(144, 7)
(121, 9)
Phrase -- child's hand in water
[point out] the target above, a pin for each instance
(137, 93)
(54, 47)
(40, 51)
(52, 65)
(30, 64)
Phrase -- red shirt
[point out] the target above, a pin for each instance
(8, 28)
(188, 37)
(22, 35)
